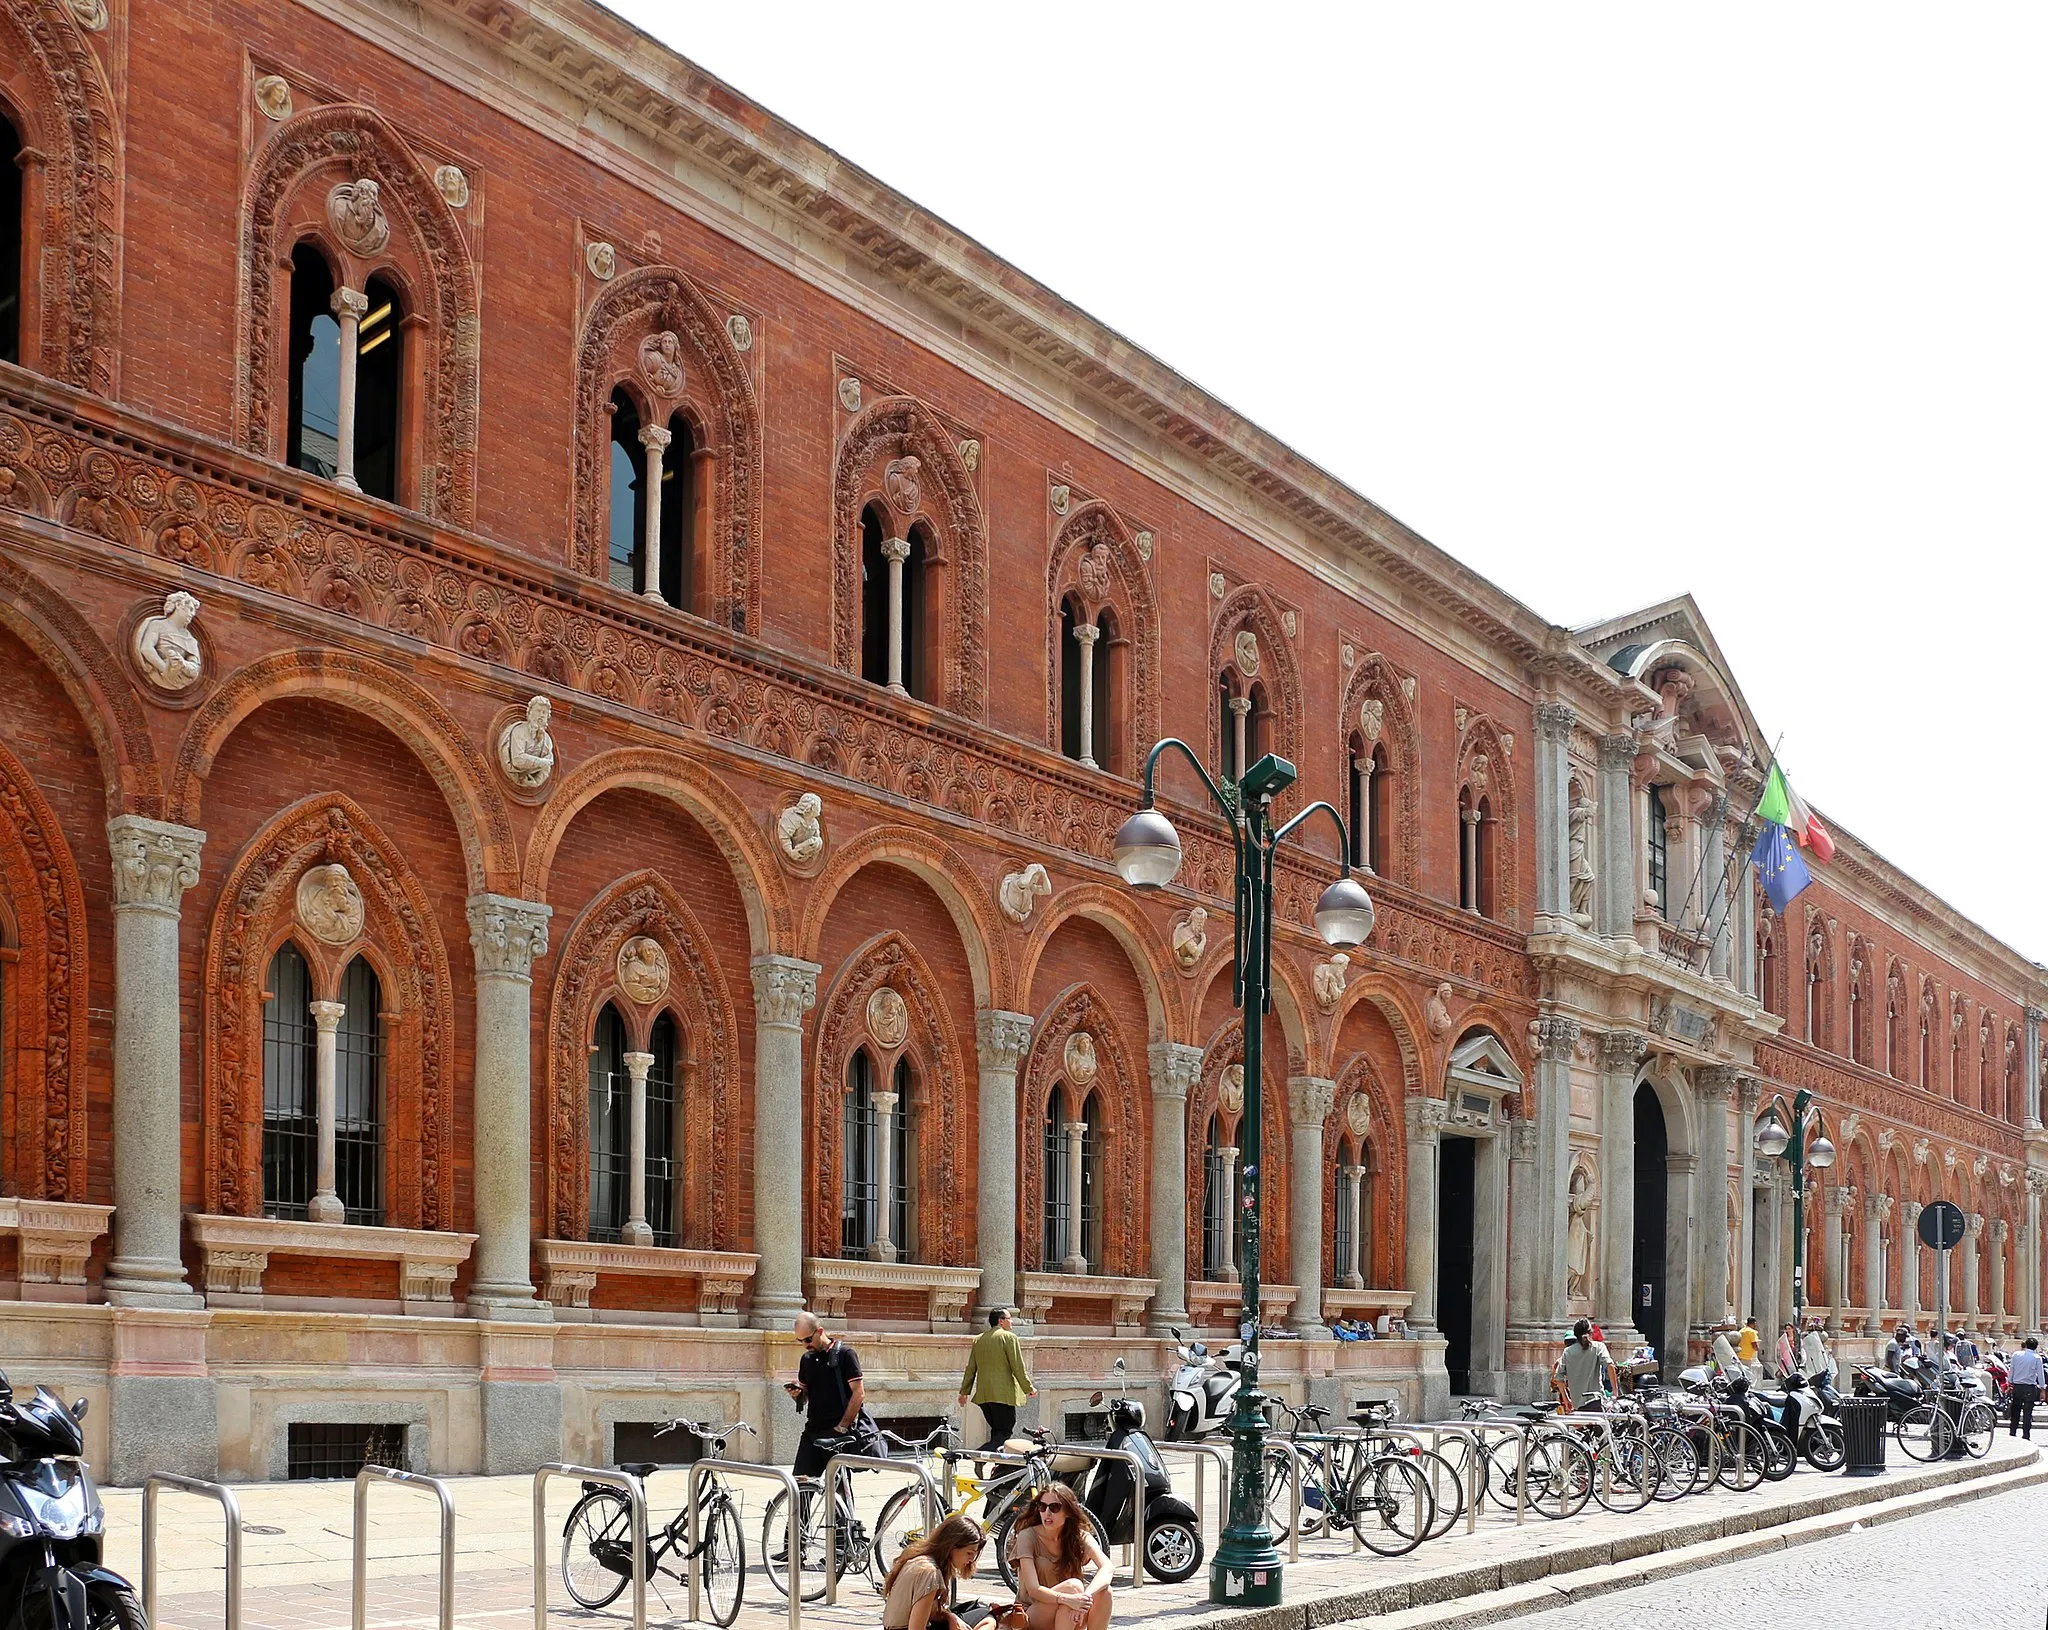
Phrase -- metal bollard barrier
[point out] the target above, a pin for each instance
(439, 1489)
(152, 1486)
(1126, 1457)
(1204, 1453)
(792, 1531)
(636, 1504)
(873, 1463)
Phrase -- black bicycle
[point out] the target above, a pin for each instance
(597, 1540)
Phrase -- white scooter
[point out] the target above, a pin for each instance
(1203, 1393)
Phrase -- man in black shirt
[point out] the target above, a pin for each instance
(828, 1388)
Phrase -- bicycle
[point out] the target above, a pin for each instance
(597, 1538)
(1354, 1479)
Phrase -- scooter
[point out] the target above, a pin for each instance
(1802, 1411)
(51, 1523)
(1203, 1392)
(1173, 1534)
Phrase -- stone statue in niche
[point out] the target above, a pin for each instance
(1329, 981)
(526, 751)
(1436, 1012)
(355, 209)
(800, 829)
(661, 364)
(1230, 1090)
(165, 647)
(643, 970)
(1581, 858)
(329, 906)
(1091, 573)
(1191, 936)
(1582, 1205)
(900, 485)
(888, 1017)
(1078, 1059)
(1245, 649)
(1019, 890)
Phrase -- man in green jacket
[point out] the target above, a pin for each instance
(996, 1378)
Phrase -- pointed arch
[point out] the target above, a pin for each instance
(1224, 1049)
(715, 392)
(252, 917)
(1117, 578)
(944, 1171)
(1132, 929)
(284, 203)
(1373, 680)
(56, 93)
(394, 701)
(1487, 773)
(891, 429)
(1385, 1136)
(1817, 981)
(643, 903)
(1251, 608)
(1392, 1001)
(1119, 1086)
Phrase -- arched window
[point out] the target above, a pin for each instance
(1484, 834)
(1767, 959)
(1219, 1204)
(1089, 650)
(1856, 1048)
(681, 516)
(313, 437)
(1258, 726)
(874, 1204)
(628, 496)
(380, 390)
(1232, 727)
(303, 1177)
(1371, 805)
(291, 1111)
(359, 1097)
(1813, 990)
(1894, 1025)
(10, 243)
(623, 1119)
(343, 342)
(1926, 1048)
(664, 1136)
(1351, 1231)
(892, 630)
(1106, 692)
(1956, 1079)
(1091, 1183)
(1072, 1240)
(611, 1127)
(1659, 843)
(1476, 827)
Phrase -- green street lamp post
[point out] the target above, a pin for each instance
(1245, 1571)
(1776, 1141)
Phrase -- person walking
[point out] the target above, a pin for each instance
(1788, 1352)
(2026, 1375)
(828, 1388)
(1747, 1345)
(996, 1378)
(1579, 1369)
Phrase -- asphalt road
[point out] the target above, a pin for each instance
(1982, 1565)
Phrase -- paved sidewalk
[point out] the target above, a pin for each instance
(297, 1551)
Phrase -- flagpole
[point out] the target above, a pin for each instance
(1748, 855)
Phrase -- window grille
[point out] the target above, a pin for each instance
(664, 1159)
(859, 1180)
(611, 1108)
(291, 1116)
(359, 1097)
(327, 1450)
(1058, 1203)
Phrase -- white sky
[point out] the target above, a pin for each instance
(1610, 302)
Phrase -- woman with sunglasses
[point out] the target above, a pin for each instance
(915, 1591)
(1062, 1575)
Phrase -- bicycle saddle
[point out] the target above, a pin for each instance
(1314, 1412)
(642, 1469)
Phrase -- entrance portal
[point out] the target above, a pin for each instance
(1456, 1201)
(1652, 1185)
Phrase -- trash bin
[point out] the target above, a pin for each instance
(1863, 1425)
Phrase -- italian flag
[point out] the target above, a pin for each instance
(1780, 804)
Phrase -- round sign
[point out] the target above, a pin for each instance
(1942, 1226)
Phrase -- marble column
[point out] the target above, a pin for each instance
(1716, 1087)
(508, 936)
(1528, 1228)
(1714, 881)
(2030, 1094)
(1426, 1118)
(635, 1230)
(325, 1206)
(1310, 1099)
(1001, 1039)
(154, 864)
(1550, 1305)
(784, 990)
(655, 440)
(1621, 1052)
(1240, 712)
(1877, 1216)
(896, 551)
(1909, 1260)
(349, 308)
(1075, 1260)
(1767, 1285)
(1362, 838)
(1747, 1095)
(1553, 812)
(1225, 1201)
(1828, 1282)
(1968, 1305)
(885, 1178)
(1999, 1232)
(1085, 636)
(1617, 882)
(1175, 1069)
(1355, 1196)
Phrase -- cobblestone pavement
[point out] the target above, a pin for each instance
(1978, 1564)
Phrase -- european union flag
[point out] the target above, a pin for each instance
(1779, 867)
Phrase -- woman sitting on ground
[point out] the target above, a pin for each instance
(1062, 1575)
(915, 1592)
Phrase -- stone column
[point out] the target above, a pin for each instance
(1528, 1229)
(1362, 838)
(349, 307)
(1747, 1095)
(1469, 894)
(2030, 1256)
(1909, 1261)
(1877, 1215)
(325, 1206)
(1621, 1052)
(1076, 1258)
(1175, 1069)
(1968, 1304)
(1834, 1203)
(1551, 1305)
(1716, 1087)
(1742, 914)
(1553, 811)
(885, 1175)
(1355, 1195)
(1240, 710)
(896, 551)
(154, 864)
(655, 439)
(1425, 1141)
(636, 1231)
(784, 990)
(1226, 1209)
(1999, 1232)
(1617, 883)
(1715, 883)
(2031, 1094)
(1001, 1039)
(1766, 1285)
(1085, 636)
(508, 936)
(1310, 1099)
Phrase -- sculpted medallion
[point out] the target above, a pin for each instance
(329, 906)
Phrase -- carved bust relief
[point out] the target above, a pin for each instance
(643, 970)
(329, 906)
(355, 209)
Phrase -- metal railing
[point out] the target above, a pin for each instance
(636, 1503)
(1519, 1430)
(1204, 1453)
(792, 1532)
(152, 1486)
(358, 1584)
(927, 1485)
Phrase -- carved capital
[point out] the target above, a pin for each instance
(784, 989)
(1310, 1098)
(327, 1016)
(2034, 1016)
(1878, 1208)
(507, 935)
(895, 550)
(1426, 1117)
(1618, 752)
(637, 1066)
(1554, 721)
(1557, 1038)
(1176, 1067)
(655, 439)
(1002, 1038)
(1840, 1199)
(1909, 1212)
(1717, 1083)
(1623, 1049)
(1976, 1222)
(1524, 1139)
(1749, 1094)
(2000, 1232)
(154, 862)
(349, 304)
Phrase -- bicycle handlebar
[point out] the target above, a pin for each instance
(704, 1431)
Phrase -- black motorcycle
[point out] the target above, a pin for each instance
(51, 1523)
(1173, 1535)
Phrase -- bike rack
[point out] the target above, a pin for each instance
(1469, 1432)
(1129, 1458)
(439, 1489)
(791, 1538)
(152, 1486)
(1519, 1430)
(636, 1503)
(1204, 1453)
(871, 1463)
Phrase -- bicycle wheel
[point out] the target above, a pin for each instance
(1315, 1501)
(1677, 1462)
(1827, 1446)
(1391, 1506)
(1625, 1475)
(1980, 1428)
(1781, 1454)
(810, 1547)
(1923, 1432)
(900, 1526)
(1560, 1476)
(1743, 1457)
(724, 1563)
(1446, 1489)
(597, 1548)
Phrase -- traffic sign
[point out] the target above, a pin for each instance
(1942, 1226)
